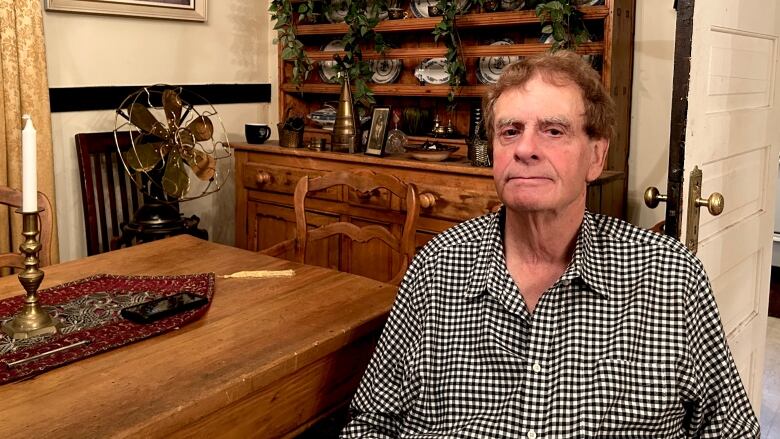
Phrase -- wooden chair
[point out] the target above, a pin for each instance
(365, 183)
(13, 198)
(108, 194)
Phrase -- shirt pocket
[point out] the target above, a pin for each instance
(636, 399)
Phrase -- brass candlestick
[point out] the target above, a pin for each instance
(32, 320)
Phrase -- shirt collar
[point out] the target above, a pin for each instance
(489, 263)
(588, 261)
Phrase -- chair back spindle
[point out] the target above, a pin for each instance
(109, 196)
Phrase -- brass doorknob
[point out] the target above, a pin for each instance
(653, 197)
(427, 200)
(262, 178)
(714, 203)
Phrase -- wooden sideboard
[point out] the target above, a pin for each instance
(450, 192)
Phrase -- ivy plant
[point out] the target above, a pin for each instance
(562, 20)
(292, 48)
(448, 33)
(308, 11)
(362, 17)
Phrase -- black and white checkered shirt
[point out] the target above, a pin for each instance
(627, 343)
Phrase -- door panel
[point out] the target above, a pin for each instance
(740, 71)
(732, 136)
(741, 179)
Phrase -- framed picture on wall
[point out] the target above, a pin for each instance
(378, 132)
(192, 10)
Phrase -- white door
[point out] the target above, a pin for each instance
(732, 135)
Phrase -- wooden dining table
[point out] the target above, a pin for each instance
(270, 357)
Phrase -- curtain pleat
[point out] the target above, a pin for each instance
(24, 89)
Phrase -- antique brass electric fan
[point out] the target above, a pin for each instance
(178, 151)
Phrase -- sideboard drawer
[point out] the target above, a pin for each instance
(455, 204)
(282, 179)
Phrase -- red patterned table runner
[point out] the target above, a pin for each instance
(91, 324)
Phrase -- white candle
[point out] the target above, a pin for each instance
(29, 171)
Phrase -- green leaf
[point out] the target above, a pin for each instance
(559, 33)
(556, 5)
(547, 29)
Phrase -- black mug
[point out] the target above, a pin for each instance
(257, 132)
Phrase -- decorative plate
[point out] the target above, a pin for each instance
(325, 117)
(386, 71)
(588, 2)
(512, 5)
(490, 67)
(419, 8)
(340, 8)
(328, 71)
(338, 11)
(432, 71)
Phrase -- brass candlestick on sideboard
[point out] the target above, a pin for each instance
(32, 320)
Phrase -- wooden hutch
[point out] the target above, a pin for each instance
(453, 190)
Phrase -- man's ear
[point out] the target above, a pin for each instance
(598, 157)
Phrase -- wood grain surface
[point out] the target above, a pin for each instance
(269, 357)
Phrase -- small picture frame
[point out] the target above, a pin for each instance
(378, 132)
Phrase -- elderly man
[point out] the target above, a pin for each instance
(544, 320)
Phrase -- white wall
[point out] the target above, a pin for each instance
(233, 46)
(651, 107)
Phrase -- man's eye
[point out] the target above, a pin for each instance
(554, 132)
(509, 132)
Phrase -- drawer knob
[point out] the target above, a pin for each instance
(262, 178)
(427, 200)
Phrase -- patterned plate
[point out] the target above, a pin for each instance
(512, 5)
(490, 67)
(340, 8)
(419, 8)
(386, 71)
(328, 71)
(432, 71)
(338, 11)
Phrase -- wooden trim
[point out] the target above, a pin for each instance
(466, 21)
(679, 117)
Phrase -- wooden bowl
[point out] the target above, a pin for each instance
(432, 155)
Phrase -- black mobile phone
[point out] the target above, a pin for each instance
(157, 309)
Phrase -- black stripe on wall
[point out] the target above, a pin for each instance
(110, 97)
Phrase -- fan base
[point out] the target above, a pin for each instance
(157, 216)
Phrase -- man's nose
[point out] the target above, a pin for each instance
(526, 147)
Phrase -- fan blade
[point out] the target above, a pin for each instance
(172, 107)
(186, 138)
(202, 128)
(141, 117)
(175, 181)
(143, 157)
(203, 165)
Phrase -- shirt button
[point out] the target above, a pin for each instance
(531, 434)
(536, 367)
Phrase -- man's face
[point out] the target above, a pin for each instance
(542, 158)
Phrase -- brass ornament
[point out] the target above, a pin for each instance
(345, 132)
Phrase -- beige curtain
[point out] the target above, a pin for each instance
(24, 90)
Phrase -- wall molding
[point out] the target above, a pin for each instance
(66, 99)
